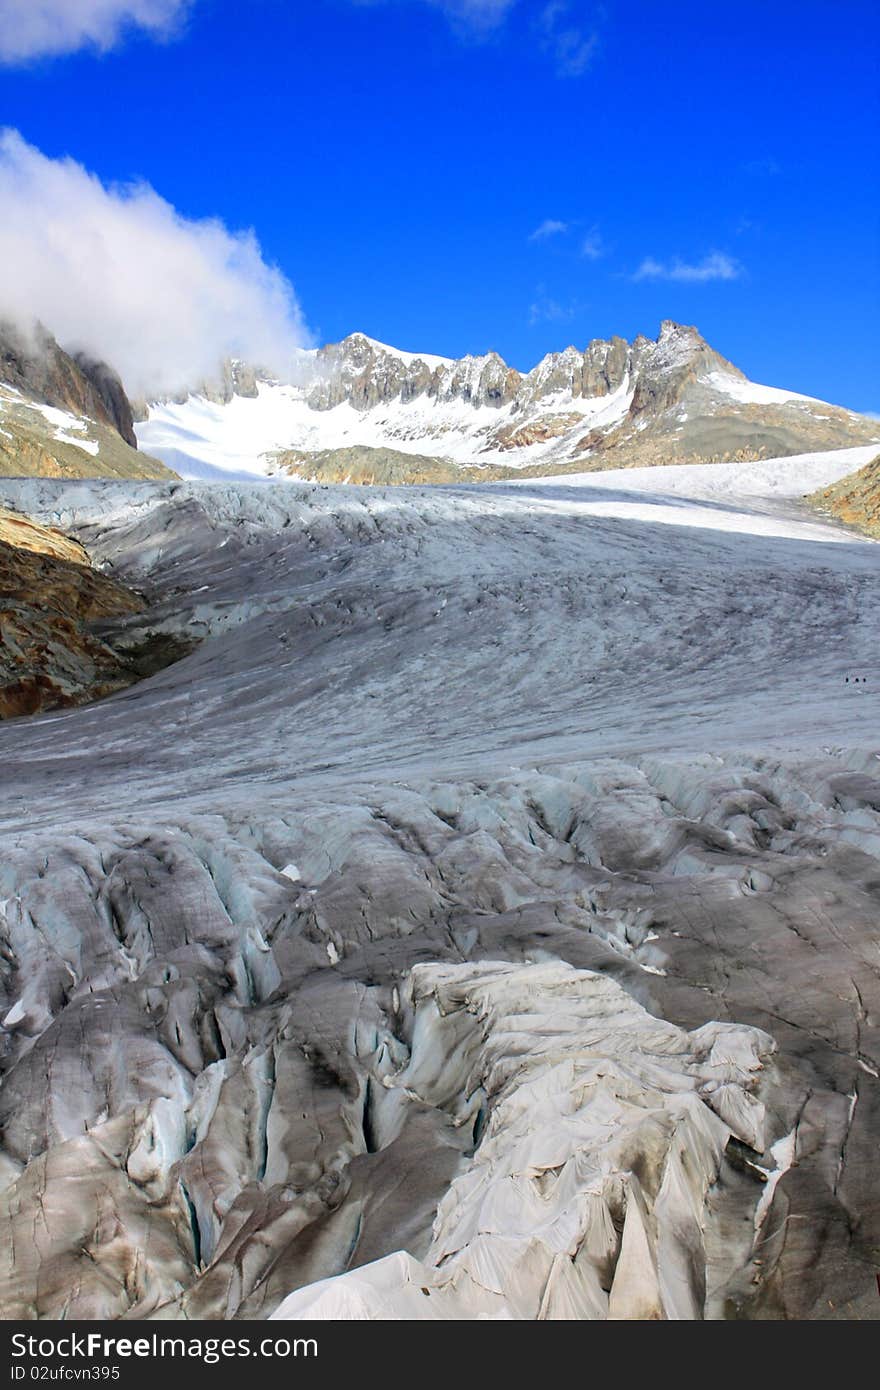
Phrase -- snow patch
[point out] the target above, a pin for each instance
(88, 446)
(752, 393)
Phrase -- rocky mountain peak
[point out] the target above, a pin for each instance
(671, 328)
(662, 369)
(680, 344)
(34, 364)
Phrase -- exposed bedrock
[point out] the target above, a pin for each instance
(64, 637)
(601, 1043)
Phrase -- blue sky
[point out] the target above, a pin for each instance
(512, 175)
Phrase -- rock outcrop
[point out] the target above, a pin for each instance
(64, 414)
(235, 379)
(62, 630)
(110, 394)
(39, 369)
(364, 465)
(855, 499)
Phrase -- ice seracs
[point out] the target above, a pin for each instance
(596, 1139)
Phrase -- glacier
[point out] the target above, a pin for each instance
(480, 923)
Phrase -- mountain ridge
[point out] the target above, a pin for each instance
(363, 411)
(614, 404)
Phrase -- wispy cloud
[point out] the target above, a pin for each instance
(716, 266)
(548, 228)
(474, 16)
(545, 309)
(592, 246)
(120, 273)
(32, 29)
(571, 45)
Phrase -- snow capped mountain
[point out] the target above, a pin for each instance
(362, 411)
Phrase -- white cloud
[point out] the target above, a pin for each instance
(716, 266)
(41, 28)
(119, 272)
(571, 46)
(549, 227)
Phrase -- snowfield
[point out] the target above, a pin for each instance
(480, 923)
(201, 439)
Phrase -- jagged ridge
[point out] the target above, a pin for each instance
(614, 404)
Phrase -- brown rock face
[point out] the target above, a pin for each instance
(49, 596)
(663, 369)
(24, 534)
(536, 432)
(605, 366)
(855, 499)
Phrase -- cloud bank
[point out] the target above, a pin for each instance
(120, 273)
(716, 266)
(43, 28)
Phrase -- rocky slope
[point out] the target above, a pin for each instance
(481, 922)
(613, 405)
(855, 499)
(371, 465)
(63, 636)
(64, 415)
(22, 533)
